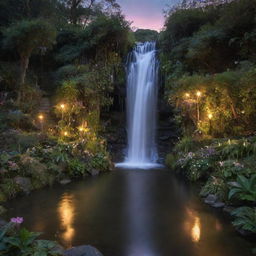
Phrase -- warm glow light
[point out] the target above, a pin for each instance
(66, 213)
(192, 225)
(65, 133)
(187, 95)
(198, 93)
(210, 116)
(62, 106)
(196, 230)
(40, 117)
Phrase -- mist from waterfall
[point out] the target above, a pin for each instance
(142, 91)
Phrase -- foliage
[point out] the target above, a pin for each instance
(76, 168)
(100, 161)
(145, 35)
(245, 218)
(215, 186)
(244, 188)
(19, 241)
(186, 144)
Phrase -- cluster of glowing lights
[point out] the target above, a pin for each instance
(198, 94)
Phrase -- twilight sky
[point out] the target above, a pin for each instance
(145, 13)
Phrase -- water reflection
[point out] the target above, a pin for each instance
(66, 213)
(139, 203)
(196, 230)
(193, 225)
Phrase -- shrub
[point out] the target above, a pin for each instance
(216, 186)
(245, 218)
(76, 168)
(19, 241)
(186, 144)
(100, 161)
(244, 188)
(198, 168)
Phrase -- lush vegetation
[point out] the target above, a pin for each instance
(209, 68)
(208, 63)
(225, 169)
(15, 240)
(52, 94)
(144, 35)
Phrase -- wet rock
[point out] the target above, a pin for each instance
(218, 204)
(210, 199)
(94, 172)
(24, 184)
(65, 181)
(85, 250)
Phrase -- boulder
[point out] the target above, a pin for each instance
(84, 250)
(218, 204)
(24, 184)
(94, 172)
(65, 181)
(210, 199)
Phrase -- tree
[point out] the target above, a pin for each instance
(143, 35)
(27, 37)
(81, 10)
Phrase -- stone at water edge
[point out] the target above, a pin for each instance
(210, 199)
(218, 204)
(84, 250)
(65, 181)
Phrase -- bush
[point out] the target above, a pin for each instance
(244, 188)
(245, 218)
(216, 186)
(100, 162)
(186, 144)
(76, 168)
(19, 241)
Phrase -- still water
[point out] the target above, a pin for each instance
(130, 213)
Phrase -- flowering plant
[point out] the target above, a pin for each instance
(15, 240)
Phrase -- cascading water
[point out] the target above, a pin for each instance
(142, 77)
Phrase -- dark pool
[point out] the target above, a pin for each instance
(130, 213)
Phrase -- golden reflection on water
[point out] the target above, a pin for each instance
(193, 225)
(66, 212)
(196, 230)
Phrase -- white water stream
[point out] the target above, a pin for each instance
(142, 78)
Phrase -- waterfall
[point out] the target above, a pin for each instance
(142, 80)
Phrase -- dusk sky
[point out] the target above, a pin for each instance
(145, 13)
